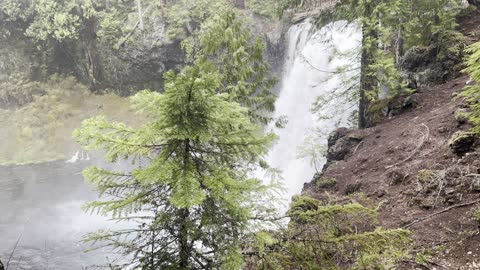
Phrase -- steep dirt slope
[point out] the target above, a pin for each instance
(406, 164)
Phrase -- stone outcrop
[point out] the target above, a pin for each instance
(341, 142)
(136, 63)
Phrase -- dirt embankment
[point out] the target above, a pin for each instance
(406, 164)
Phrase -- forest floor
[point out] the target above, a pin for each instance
(406, 164)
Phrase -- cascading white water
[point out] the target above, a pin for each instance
(307, 75)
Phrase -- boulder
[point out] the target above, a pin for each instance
(336, 135)
(462, 142)
(340, 143)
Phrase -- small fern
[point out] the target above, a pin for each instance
(472, 93)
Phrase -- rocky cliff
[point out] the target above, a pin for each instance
(135, 63)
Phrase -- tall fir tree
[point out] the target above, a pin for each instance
(196, 199)
(226, 40)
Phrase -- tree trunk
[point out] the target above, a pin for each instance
(367, 80)
(91, 54)
(185, 248)
(366, 83)
(399, 43)
(140, 15)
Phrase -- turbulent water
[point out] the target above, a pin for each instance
(40, 205)
(308, 75)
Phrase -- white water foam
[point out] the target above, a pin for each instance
(306, 69)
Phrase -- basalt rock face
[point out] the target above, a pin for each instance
(136, 63)
(341, 142)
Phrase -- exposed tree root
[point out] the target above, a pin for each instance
(425, 138)
(441, 212)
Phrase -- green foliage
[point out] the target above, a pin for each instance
(423, 256)
(472, 92)
(66, 20)
(335, 236)
(476, 214)
(314, 150)
(196, 197)
(54, 19)
(184, 16)
(267, 8)
(225, 39)
(434, 17)
(326, 182)
(424, 176)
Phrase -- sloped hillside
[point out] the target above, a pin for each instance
(407, 165)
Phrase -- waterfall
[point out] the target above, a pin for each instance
(307, 75)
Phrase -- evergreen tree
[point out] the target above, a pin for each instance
(185, 16)
(225, 39)
(196, 200)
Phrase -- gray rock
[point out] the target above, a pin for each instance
(340, 143)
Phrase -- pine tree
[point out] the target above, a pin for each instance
(195, 200)
(226, 40)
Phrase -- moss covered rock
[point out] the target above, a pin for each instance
(462, 142)
(325, 182)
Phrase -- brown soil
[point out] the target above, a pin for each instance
(399, 146)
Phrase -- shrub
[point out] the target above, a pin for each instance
(334, 236)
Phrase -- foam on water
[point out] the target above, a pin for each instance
(307, 67)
